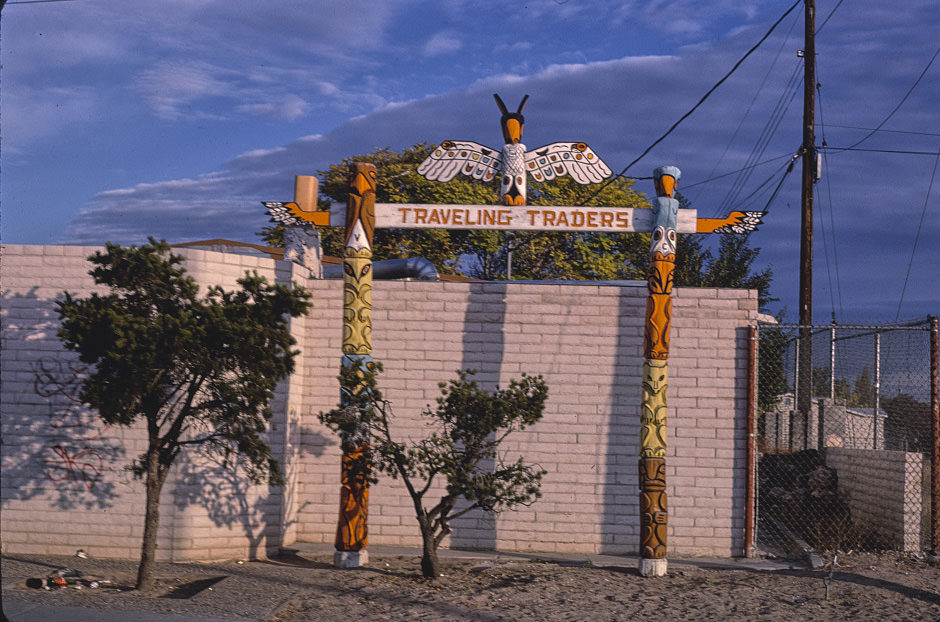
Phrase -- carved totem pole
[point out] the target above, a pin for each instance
(653, 508)
(352, 528)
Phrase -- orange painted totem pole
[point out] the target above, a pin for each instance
(653, 509)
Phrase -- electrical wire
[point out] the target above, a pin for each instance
(896, 108)
(767, 133)
(822, 221)
(832, 223)
(729, 173)
(750, 106)
(920, 226)
(901, 151)
(780, 184)
(868, 129)
(696, 106)
(740, 204)
(828, 17)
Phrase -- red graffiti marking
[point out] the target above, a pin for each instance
(60, 383)
(84, 466)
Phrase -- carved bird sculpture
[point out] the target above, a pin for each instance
(513, 163)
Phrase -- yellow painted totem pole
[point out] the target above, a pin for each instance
(653, 508)
(352, 528)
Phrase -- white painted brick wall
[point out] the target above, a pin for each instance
(885, 491)
(64, 485)
(585, 339)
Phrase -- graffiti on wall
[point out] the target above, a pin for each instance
(71, 455)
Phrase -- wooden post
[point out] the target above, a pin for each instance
(301, 238)
(804, 383)
(352, 528)
(653, 508)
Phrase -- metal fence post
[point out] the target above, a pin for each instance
(751, 497)
(877, 404)
(935, 433)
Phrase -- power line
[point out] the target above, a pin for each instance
(901, 151)
(764, 183)
(868, 129)
(747, 112)
(832, 223)
(767, 133)
(901, 103)
(729, 173)
(828, 17)
(697, 105)
(917, 235)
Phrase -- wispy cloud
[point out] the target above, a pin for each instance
(445, 42)
(290, 107)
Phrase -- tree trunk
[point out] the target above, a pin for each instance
(430, 565)
(148, 550)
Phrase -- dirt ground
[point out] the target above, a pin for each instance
(863, 587)
(302, 587)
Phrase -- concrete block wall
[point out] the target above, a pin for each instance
(584, 338)
(886, 491)
(64, 485)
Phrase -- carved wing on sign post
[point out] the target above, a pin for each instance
(575, 159)
(465, 157)
(290, 214)
(735, 222)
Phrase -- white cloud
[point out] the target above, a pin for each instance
(446, 42)
(32, 114)
(171, 87)
(290, 108)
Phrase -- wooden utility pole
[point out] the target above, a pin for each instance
(805, 353)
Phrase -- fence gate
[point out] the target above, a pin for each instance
(847, 449)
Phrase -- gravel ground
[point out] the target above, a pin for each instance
(305, 586)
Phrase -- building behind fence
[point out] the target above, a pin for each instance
(853, 466)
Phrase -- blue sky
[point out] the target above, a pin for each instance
(176, 118)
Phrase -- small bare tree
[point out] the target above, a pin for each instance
(463, 449)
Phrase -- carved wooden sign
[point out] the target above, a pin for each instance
(535, 218)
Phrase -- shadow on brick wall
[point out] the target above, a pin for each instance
(483, 349)
(620, 529)
(231, 501)
(53, 446)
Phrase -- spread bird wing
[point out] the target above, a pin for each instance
(466, 157)
(291, 214)
(575, 159)
(735, 222)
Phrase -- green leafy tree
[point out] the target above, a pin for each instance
(864, 392)
(469, 426)
(907, 427)
(199, 373)
(821, 388)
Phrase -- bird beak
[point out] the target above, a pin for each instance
(665, 185)
(512, 131)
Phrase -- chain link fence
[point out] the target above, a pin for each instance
(846, 433)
